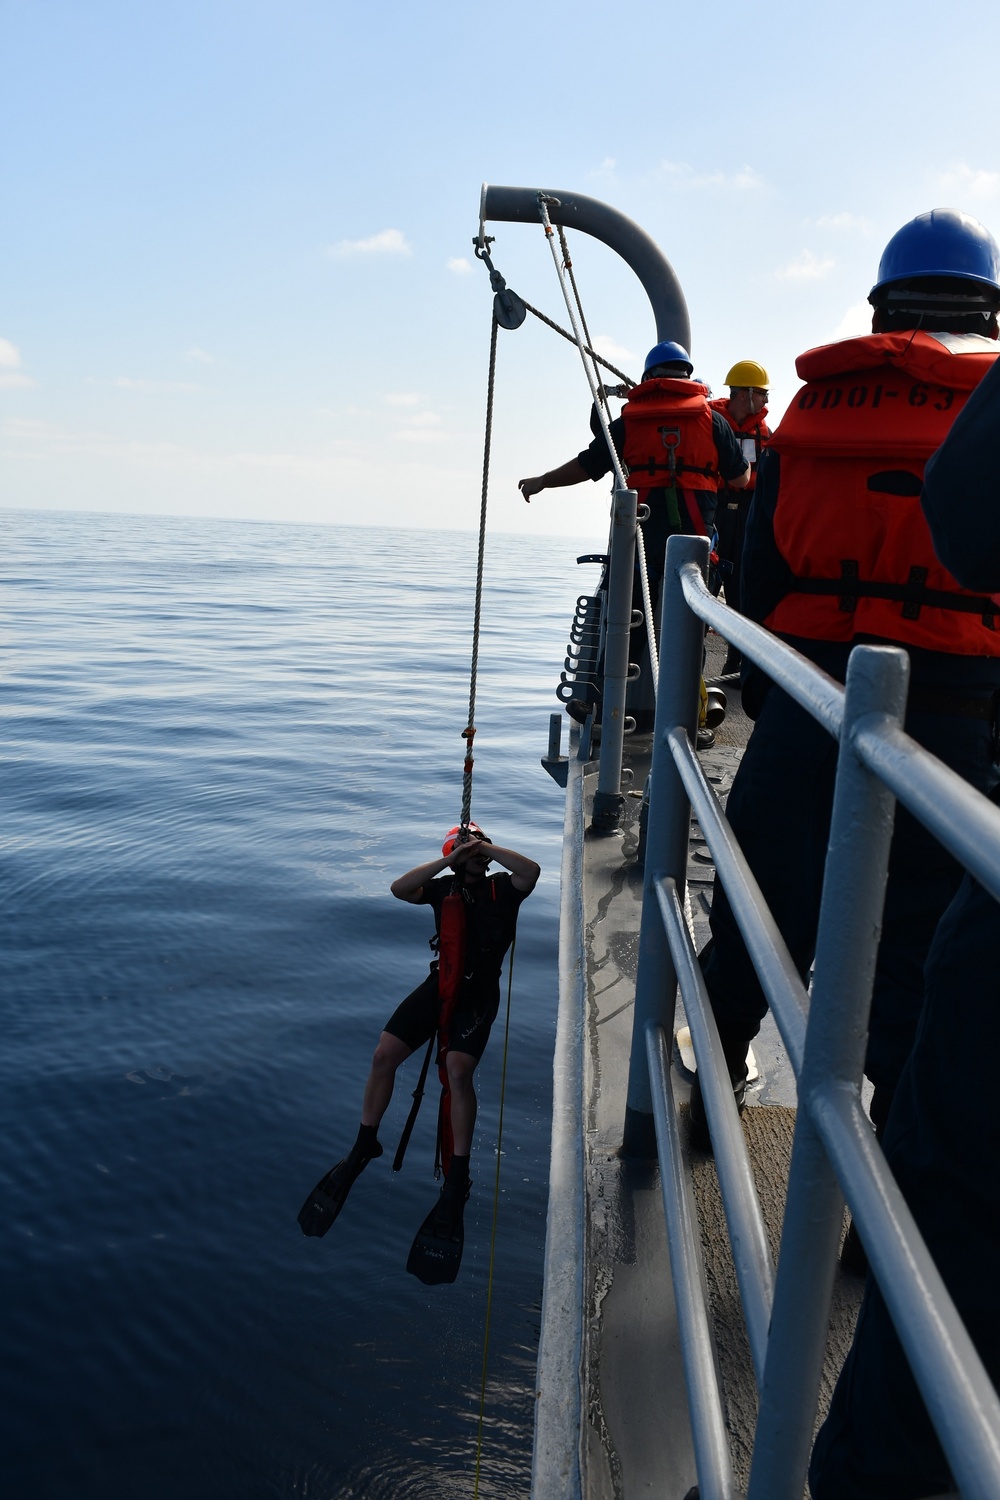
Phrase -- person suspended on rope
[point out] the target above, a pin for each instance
(676, 449)
(472, 949)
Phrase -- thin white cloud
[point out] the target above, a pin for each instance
(604, 344)
(807, 267)
(200, 356)
(422, 427)
(24, 427)
(856, 320)
(421, 435)
(747, 179)
(403, 398)
(386, 242)
(963, 182)
(42, 438)
(131, 383)
(12, 377)
(606, 169)
(460, 265)
(843, 221)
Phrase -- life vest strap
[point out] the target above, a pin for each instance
(651, 467)
(914, 595)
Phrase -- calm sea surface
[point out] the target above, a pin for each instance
(221, 742)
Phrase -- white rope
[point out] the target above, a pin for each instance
(591, 374)
(654, 650)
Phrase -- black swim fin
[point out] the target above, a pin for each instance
(330, 1193)
(436, 1253)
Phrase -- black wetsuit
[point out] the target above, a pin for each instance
(491, 916)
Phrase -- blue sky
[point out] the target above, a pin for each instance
(236, 275)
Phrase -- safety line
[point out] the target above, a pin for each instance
(621, 482)
(469, 733)
(493, 1232)
(654, 650)
(568, 263)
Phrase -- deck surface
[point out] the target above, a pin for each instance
(636, 1439)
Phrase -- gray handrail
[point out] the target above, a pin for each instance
(834, 1153)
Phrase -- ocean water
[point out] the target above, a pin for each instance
(221, 742)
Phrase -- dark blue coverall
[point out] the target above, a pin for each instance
(943, 1136)
(780, 806)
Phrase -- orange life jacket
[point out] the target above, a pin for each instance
(753, 433)
(848, 522)
(669, 441)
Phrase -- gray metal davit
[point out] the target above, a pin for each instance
(519, 205)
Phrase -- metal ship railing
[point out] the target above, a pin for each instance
(835, 1154)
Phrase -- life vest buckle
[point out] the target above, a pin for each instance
(917, 578)
(848, 601)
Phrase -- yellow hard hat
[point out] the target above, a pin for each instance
(748, 374)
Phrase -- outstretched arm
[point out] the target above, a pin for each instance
(571, 472)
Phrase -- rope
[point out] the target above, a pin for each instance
(493, 1232)
(620, 480)
(469, 733)
(568, 263)
(595, 356)
(654, 650)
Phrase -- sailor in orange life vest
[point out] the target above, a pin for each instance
(838, 551)
(943, 1136)
(489, 905)
(675, 450)
(744, 409)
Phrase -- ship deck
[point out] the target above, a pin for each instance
(634, 1432)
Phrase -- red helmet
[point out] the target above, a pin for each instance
(451, 837)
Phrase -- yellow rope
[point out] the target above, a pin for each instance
(493, 1232)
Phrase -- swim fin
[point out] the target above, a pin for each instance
(330, 1193)
(436, 1253)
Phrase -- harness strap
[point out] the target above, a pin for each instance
(650, 467)
(914, 595)
(411, 1119)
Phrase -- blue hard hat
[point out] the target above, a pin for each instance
(667, 353)
(943, 242)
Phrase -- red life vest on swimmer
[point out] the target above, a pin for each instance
(753, 430)
(848, 522)
(451, 971)
(669, 442)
